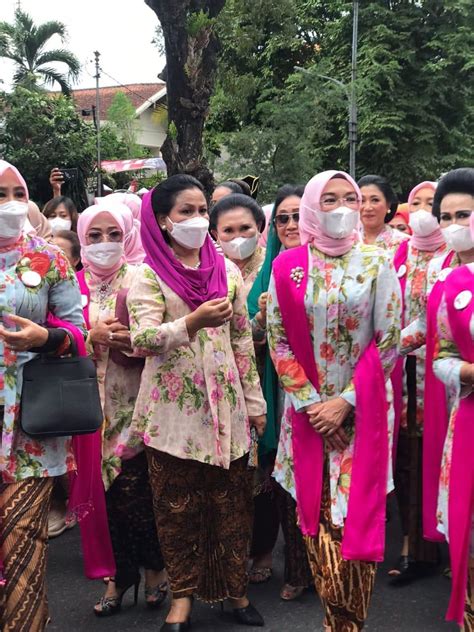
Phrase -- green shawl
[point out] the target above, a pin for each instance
(269, 441)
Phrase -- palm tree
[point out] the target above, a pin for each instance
(24, 43)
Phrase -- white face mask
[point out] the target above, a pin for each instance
(458, 237)
(339, 223)
(423, 223)
(191, 233)
(240, 248)
(104, 255)
(60, 223)
(12, 219)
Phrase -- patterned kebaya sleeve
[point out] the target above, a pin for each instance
(447, 361)
(386, 318)
(243, 347)
(151, 336)
(292, 375)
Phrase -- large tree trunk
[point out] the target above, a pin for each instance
(191, 58)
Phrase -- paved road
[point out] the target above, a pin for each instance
(417, 608)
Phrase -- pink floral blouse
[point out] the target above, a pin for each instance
(349, 300)
(118, 385)
(196, 395)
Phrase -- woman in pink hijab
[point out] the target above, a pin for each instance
(129, 206)
(341, 299)
(104, 282)
(418, 556)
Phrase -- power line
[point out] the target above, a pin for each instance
(129, 90)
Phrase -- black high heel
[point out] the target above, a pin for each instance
(248, 616)
(159, 594)
(111, 605)
(182, 626)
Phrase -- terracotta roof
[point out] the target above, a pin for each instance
(138, 93)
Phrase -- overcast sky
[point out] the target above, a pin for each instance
(121, 30)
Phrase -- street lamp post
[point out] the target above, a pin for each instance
(349, 90)
(97, 112)
(353, 95)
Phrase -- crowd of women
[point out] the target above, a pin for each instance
(255, 371)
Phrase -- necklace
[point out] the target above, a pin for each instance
(103, 293)
(186, 265)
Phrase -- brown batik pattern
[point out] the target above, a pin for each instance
(204, 520)
(24, 509)
(344, 587)
(132, 522)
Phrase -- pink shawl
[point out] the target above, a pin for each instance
(129, 206)
(87, 496)
(310, 229)
(364, 530)
(427, 184)
(400, 260)
(435, 422)
(461, 480)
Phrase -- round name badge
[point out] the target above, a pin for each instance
(30, 278)
(443, 275)
(463, 299)
(84, 300)
(402, 270)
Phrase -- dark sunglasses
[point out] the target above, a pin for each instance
(284, 218)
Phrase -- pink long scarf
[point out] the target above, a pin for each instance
(87, 496)
(461, 480)
(400, 259)
(435, 422)
(364, 530)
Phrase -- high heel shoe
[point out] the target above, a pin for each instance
(182, 626)
(248, 616)
(176, 627)
(111, 605)
(158, 593)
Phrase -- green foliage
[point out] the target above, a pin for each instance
(415, 89)
(197, 22)
(121, 117)
(39, 132)
(24, 43)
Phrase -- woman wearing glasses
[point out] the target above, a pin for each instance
(379, 205)
(341, 299)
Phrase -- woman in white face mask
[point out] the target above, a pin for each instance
(418, 556)
(104, 282)
(199, 395)
(379, 204)
(453, 205)
(35, 279)
(236, 222)
(333, 320)
(61, 213)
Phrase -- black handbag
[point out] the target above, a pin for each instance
(60, 397)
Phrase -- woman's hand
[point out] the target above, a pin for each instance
(56, 180)
(337, 441)
(111, 333)
(31, 334)
(259, 423)
(261, 316)
(467, 373)
(329, 416)
(210, 314)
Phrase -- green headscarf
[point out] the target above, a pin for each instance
(269, 441)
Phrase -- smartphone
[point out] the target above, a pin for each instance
(70, 175)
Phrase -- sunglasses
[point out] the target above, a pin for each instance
(284, 218)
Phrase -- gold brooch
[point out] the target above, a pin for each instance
(297, 275)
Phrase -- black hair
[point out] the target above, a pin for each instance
(232, 201)
(51, 206)
(386, 189)
(286, 191)
(235, 186)
(73, 239)
(164, 195)
(456, 181)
